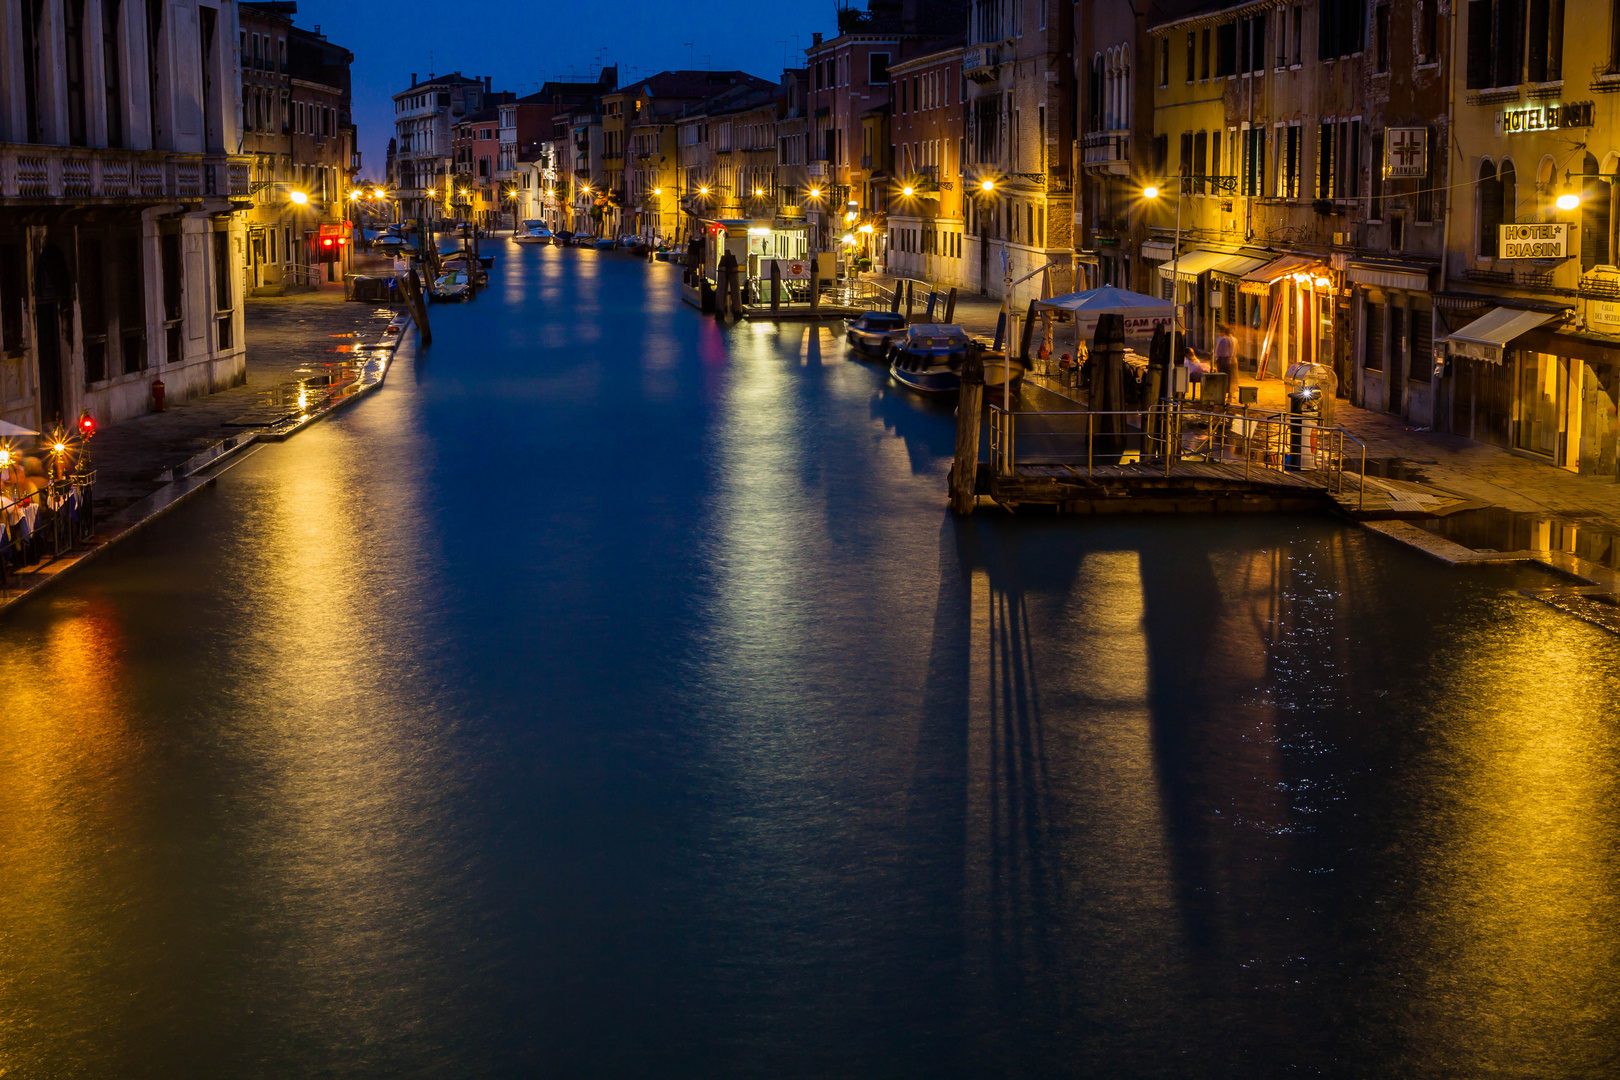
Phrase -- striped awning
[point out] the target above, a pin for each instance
(1487, 337)
(1193, 263)
(1261, 280)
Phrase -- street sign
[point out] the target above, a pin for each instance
(792, 269)
(1541, 240)
(1406, 151)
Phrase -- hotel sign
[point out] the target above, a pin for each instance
(1548, 240)
(1518, 121)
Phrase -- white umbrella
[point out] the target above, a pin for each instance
(1142, 312)
(10, 431)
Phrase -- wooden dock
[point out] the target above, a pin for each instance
(1185, 487)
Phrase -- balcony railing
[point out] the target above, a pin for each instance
(77, 173)
(818, 168)
(982, 63)
(1106, 149)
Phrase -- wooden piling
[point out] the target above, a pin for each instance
(412, 287)
(815, 284)
(910, 290)
(1029, 327)
(969, 413)
(894, 301)
(950, 306)
(776, 286)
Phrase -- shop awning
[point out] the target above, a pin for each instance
(1487, 336)
(1387, 276)
(1157, 250)
(1193, 263)
(1261, 280)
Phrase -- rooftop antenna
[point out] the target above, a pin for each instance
(784, 54)
(798, 52)
(707, 65)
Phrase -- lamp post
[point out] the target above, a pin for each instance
(1177, 329)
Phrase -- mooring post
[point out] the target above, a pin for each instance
(950, 305)
(1023, 344)
(894, 301)
(736, 292)
(910, 289)
(776, 286)
(413, 296)
(969, 413)
(815, 283)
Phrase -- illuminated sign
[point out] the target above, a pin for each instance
(1543, 118)
(1546, 240)
(1406, 151)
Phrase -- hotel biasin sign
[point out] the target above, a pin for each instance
(1521, 119)
(1539, 240)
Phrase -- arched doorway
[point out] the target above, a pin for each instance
(53, 322)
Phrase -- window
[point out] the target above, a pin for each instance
(1254, 161)
(1288, 165)
(1507, 181)
(1339, 28)
(1200, 158)
(1203, 55)
(1192, 55)
(1594, 217)
(1495, 43)
(877, 68)
(1373, 356)
(1546, 40)
(1226, 50)
(1164, 62)
(1420, 324)
(1299, 34)
(1614, 37)
(1429, 31)
(1381, 37)
(1375, 192)
(1326, 138)
(1488, 196)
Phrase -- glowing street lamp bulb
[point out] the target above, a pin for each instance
(850, 216)
(849, 238)
(1150, 192)
(658, 191)
(354, 194)
(1568, 201)
(703, 191)
(378, 193)
(815, 193)
(1323, 283)
(298, 197)
(866, 228)
(758, 192)
(908, 190)
(60, 448)
(988, 185)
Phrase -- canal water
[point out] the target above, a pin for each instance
(612, 695)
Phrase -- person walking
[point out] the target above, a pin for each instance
(1226, 360)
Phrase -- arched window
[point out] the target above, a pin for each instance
(1508, 179)
(1488, 194)
(1594, 216)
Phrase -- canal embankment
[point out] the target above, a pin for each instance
(310, 355)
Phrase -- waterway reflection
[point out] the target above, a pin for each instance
(612, 694)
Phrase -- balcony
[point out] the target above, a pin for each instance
(982, 63)
(818, 169)
(1106, 152)
(76, 174)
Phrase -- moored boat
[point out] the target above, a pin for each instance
(874, 331)
(930, 357)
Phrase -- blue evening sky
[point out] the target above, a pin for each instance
(524, 45)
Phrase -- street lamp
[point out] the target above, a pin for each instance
(298, 197)
(908, 191)
(1177, 330)
(1569, 201)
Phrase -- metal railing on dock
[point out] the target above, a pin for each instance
(1246, 443)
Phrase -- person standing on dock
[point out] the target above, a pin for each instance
(1226, 359)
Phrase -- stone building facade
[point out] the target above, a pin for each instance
(121, 249)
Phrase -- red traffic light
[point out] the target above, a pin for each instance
(87, 425)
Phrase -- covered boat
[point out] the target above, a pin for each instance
(874, 331)
(929, 358)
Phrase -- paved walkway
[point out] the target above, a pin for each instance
(288, 338)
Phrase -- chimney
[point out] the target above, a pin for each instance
(413, 80)
(489, 84)
(815, 39)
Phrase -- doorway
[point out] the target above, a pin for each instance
(53, 320)
(1395, 370)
